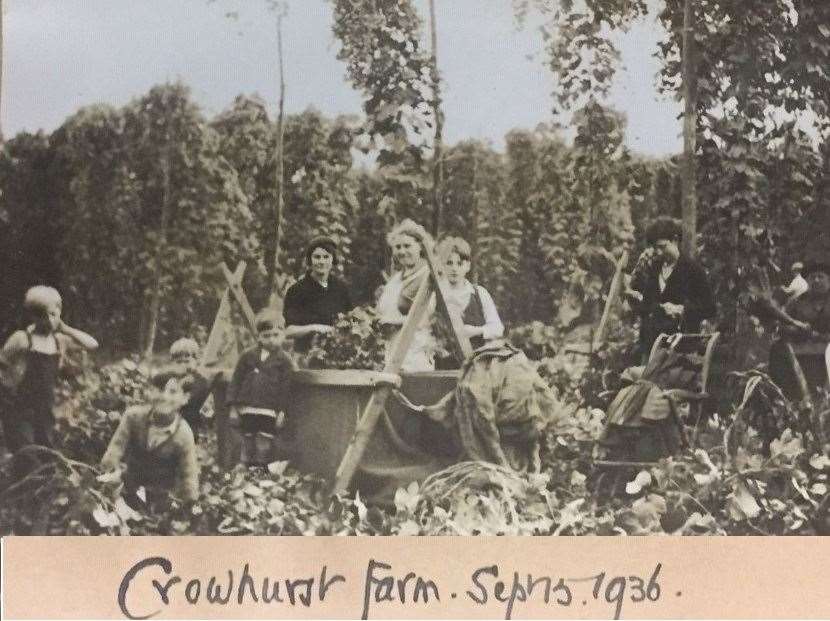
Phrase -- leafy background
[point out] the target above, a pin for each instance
(123, 209)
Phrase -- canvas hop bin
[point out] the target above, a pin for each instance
(326, 407)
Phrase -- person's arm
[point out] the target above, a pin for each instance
(187, 485)
(642, 271)
(295, 316)
(700, 303)
(292, 308)
(18, 342)
(78, 336)
(387, 306)
(13, 361)
(16, 345)
(493, 328)
(773, 310)
(295, 332)
(243, 367)
(120, 442)
(198, 393)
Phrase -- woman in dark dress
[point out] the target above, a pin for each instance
(670, 292)
(313, 302)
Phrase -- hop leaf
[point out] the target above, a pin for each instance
(741, 504)
(643, 479)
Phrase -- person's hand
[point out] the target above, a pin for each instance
(634, 295)
(233, 416)
(675, 311)
(280, 420)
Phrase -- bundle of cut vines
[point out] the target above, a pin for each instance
(476, 476)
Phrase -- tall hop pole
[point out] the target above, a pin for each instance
(280, 160)
(689, 174)
(437, 161)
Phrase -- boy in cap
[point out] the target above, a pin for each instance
(258, 391)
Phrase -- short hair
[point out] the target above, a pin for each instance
(184, 345)
(452, 245)
(324, 242)
(41, 297)
(269, 319)
(412, 229)
(663, 227)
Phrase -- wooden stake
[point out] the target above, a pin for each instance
(214, 344)
(235, 287)
(613, 294)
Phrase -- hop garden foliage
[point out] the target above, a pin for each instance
(738, 481)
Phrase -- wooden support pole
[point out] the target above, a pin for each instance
(613, 294)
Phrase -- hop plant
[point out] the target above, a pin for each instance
(535, 339)
(356, 342)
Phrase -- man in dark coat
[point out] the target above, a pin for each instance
(670, 292)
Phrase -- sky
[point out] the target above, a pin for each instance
(61, 55)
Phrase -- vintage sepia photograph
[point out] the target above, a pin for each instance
(415, 267)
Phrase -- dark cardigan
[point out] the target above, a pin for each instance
(308, 302)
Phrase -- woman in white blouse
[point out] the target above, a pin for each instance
(408, 241)
(470, 302)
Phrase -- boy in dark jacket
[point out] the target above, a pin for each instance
(258, 392)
